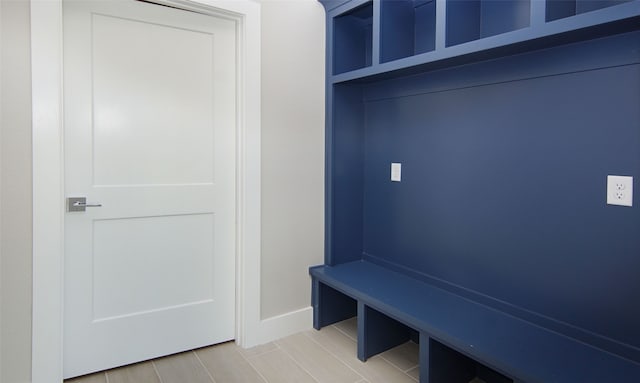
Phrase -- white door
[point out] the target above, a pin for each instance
(150, 124)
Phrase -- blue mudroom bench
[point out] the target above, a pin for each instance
(453, 332)
(468, 144)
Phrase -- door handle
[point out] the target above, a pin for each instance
(80, 204)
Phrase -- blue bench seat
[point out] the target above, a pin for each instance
(386, 301)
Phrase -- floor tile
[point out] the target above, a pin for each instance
(335, 341)
(378, 370)
(328, 355)
(98, 377)
(374, 370)
(349, 327)
(317, 361)
(415, 373)
(277, 367)
(135, 373)
(181, 368)
(226, 364)
(257, 350)
(404, 356)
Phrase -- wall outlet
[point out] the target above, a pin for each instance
(396, 172)
(620, 190)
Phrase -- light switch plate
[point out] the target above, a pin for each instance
(396, 172)
(620, 190)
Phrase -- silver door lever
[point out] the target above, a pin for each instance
(79, 204)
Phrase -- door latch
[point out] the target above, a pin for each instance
(79, 204)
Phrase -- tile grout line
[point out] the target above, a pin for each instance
(345, 333)
(380, 355)
(247, 359)
(411, 368)
(394, 365)
(260, 353)
(411, 377)
(153, 363)
(203, 366)
(296, 362)
(335, 355)
(398, 367)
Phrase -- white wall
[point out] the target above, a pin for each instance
(292, 152)
(1, 125)
(15, 194)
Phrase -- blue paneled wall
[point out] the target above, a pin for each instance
(503, 192)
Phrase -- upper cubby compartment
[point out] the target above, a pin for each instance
(469, 20)
(407, 28)
(559, 9)
(353, 39)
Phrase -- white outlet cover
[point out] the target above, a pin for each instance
(620, 190)
(396, 172)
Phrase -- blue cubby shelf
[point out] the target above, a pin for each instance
(408, 32)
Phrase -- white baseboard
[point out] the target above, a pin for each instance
(270, 329)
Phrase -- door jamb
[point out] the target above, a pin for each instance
(48, 176)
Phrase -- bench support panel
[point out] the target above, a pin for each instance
(330, 305)
(378, 332)
(424, 357)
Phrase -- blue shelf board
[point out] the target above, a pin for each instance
(508, 344)
(333, 4)
(615, 19)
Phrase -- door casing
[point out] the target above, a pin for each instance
(48, 176)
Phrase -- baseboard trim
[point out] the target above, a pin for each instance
(270, 329)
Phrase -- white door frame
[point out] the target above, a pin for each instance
(48, 176)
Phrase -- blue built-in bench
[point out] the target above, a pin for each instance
(494, 246)
(455, 334)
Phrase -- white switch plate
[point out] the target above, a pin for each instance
(620, 190)
(396, 172)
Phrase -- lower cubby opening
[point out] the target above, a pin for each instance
(380, 332)
(449, 366)
(332, 306)
(446, 365)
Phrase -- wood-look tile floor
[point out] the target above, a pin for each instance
(328, 355)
